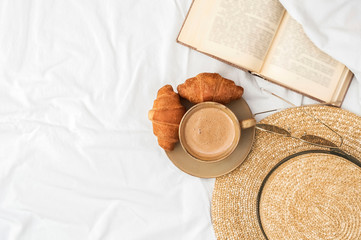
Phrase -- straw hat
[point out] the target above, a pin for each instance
(287, 189)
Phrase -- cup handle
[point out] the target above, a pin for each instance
(247, 123)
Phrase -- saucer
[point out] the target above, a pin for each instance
(211, 169)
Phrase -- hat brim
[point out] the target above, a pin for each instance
(236, 195)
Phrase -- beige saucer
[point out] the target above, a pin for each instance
(215, 169)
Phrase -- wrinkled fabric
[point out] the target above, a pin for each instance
(78, 159)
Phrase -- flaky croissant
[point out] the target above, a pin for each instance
(166, 114)
(209, 87)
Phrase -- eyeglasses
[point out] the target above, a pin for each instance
(313, 139)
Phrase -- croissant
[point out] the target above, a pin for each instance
(209, 87)
(166, 114)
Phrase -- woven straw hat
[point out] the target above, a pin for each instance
(288, 189)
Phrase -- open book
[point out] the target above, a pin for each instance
(261, 37)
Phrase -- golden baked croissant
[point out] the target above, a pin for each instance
(209, 87)
(166, 114)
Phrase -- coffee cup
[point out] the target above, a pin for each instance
(210, 131)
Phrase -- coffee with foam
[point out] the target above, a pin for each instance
(209, 132)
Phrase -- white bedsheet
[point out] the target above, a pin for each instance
(78, 159)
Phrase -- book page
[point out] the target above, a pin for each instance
(237, 31)
(295, 62)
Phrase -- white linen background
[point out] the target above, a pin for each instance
(78, 159)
